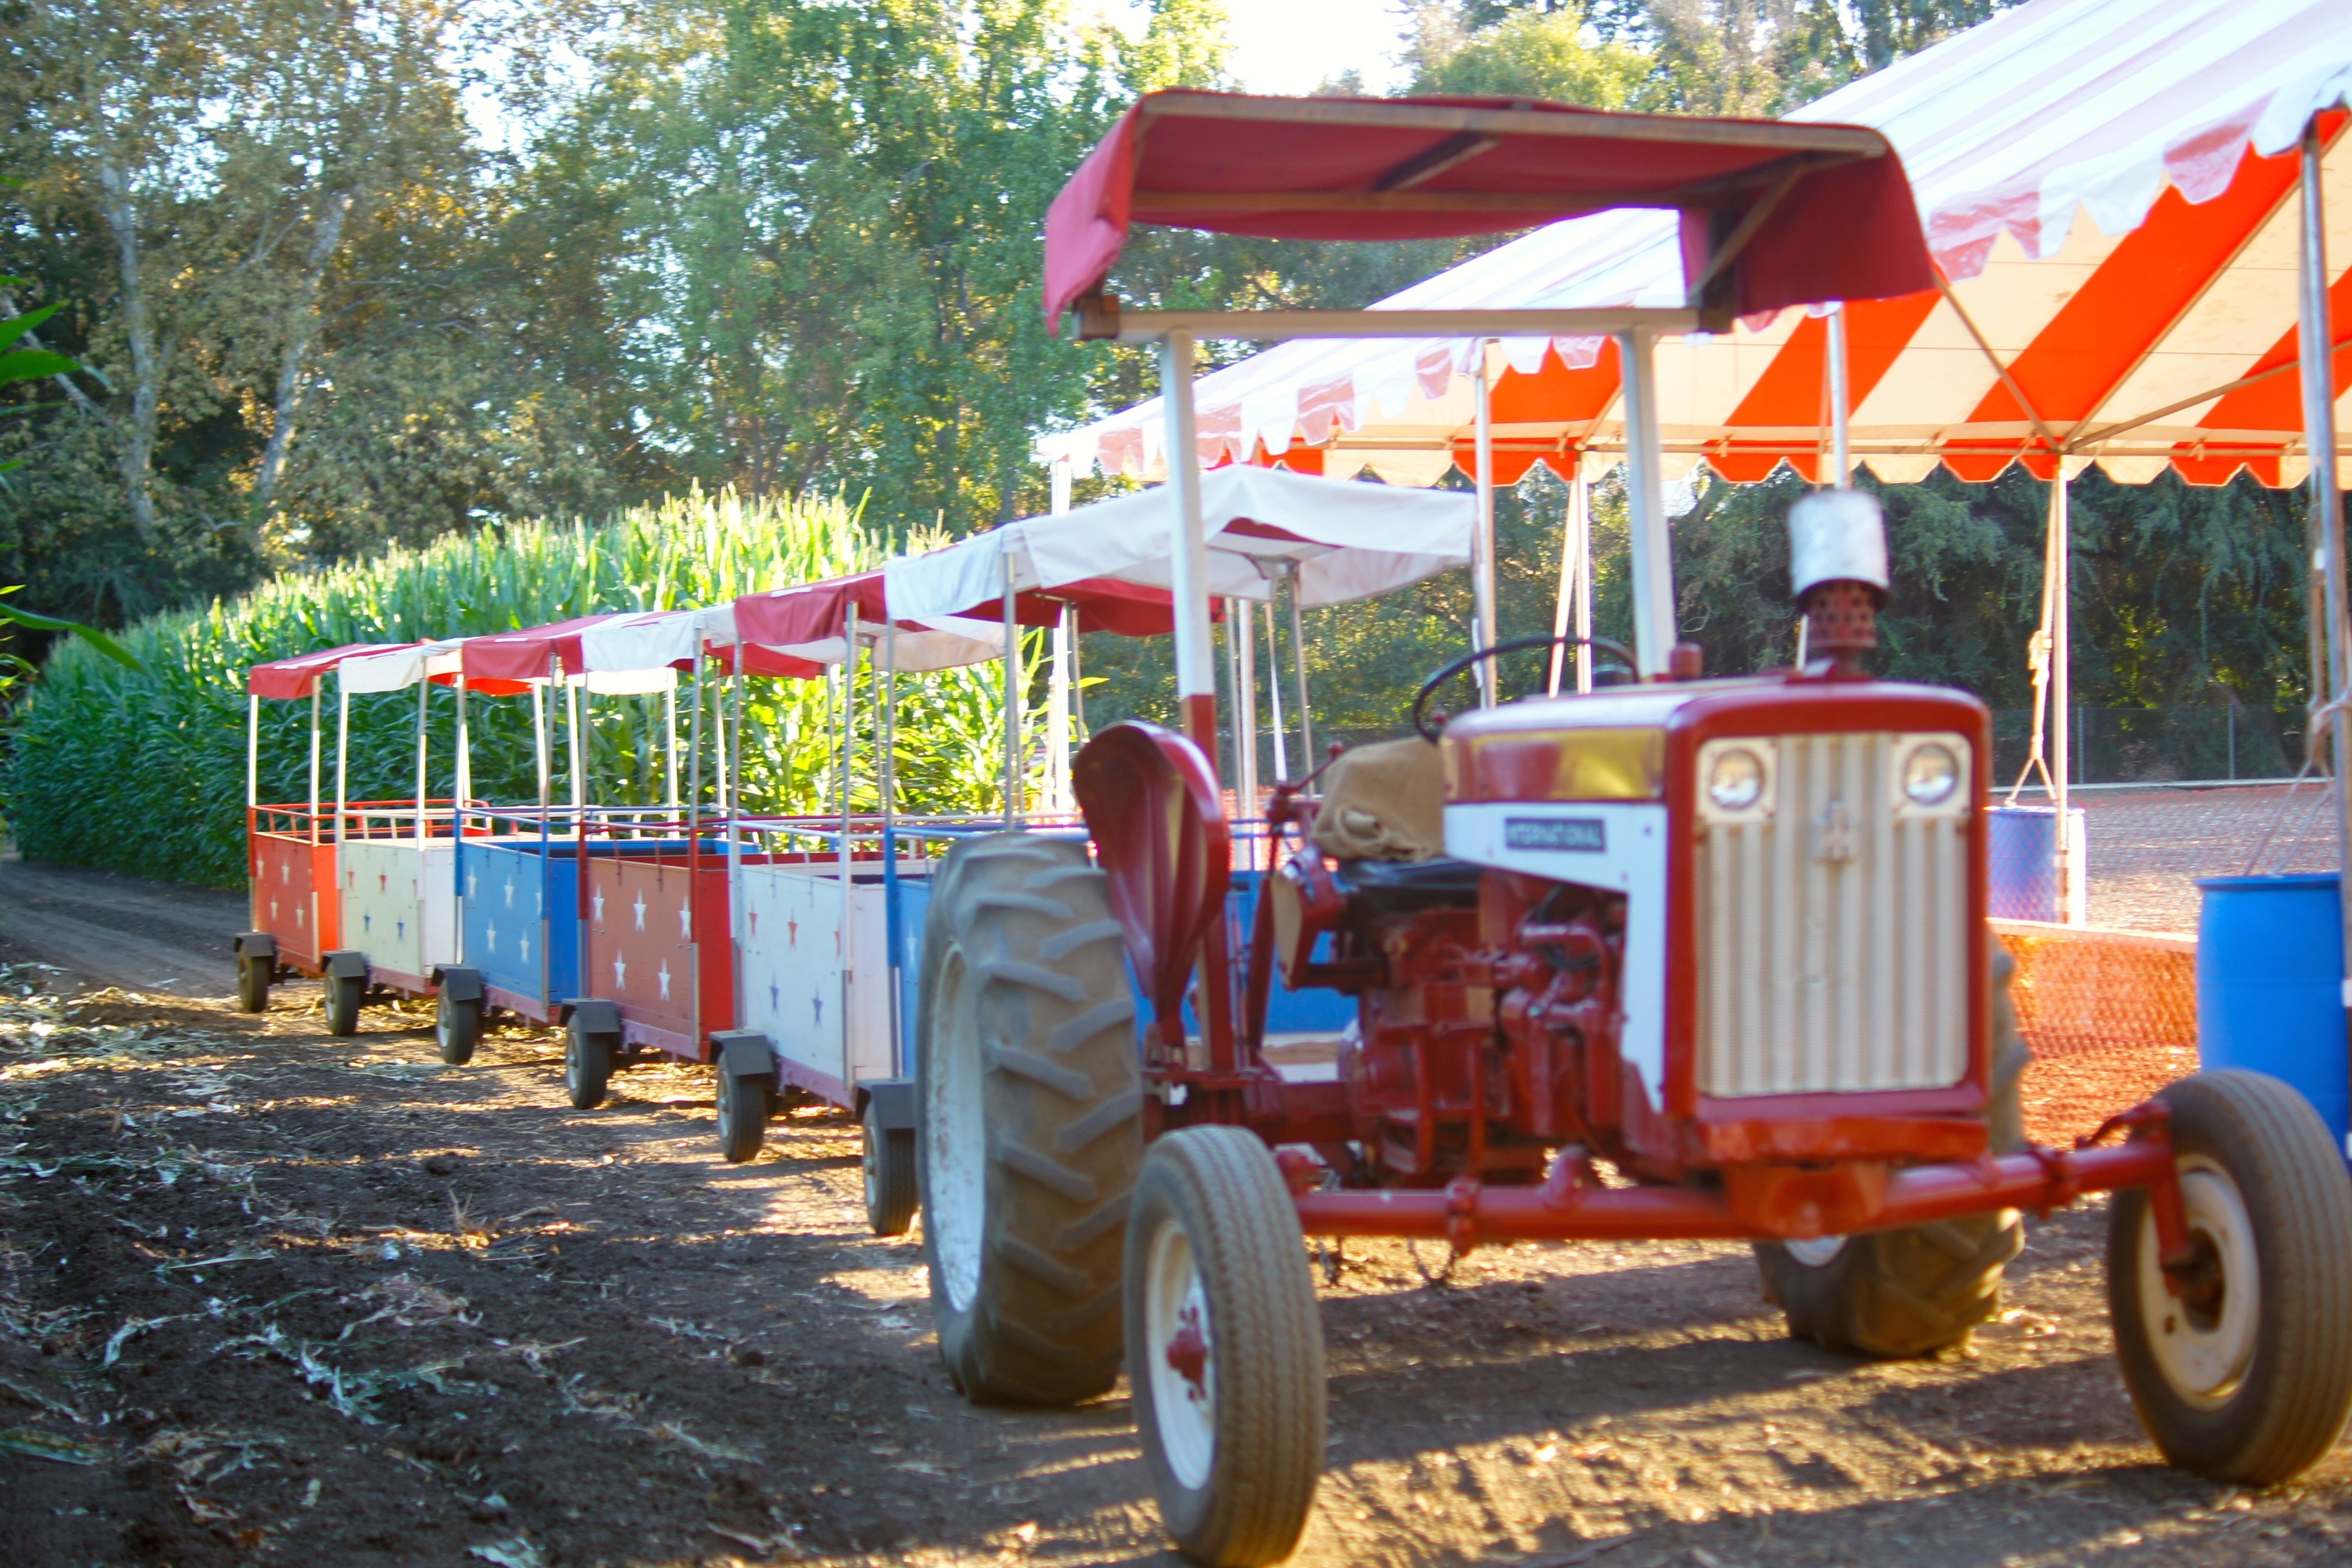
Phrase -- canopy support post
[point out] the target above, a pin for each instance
(1574, 606)
(1013, 694)
(734, 849)
(314, 762)
(252, 750)
(540, 748)
(693, 814)
(576, 751)
(2061, 575)
(848, 886)
(1483, 632)
(464, 784)
(1653, 570)
(669, 742)
(1841, 401)
(1241, 628)
(1196, 669)
(424, 714)
(342, 767)
(1298, 652)
(1059, 739)
(1273, 691)
(2315, 345)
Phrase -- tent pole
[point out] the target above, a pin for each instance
(539, 746)
(1840, 401)
(848, 885)
(1011, 699)
(1241, 626)
(735, 849)
(1273, 691)
(343, 763)
(693, 813)
(1654, 566)
(2061, 571)
(1581, 490)
(1298, 652)
(890, 720)
(1196, 669)
(465, 755)
(1482, 547)
(2326, 495)
(252, 750)
(1570, 557)
(576, 751)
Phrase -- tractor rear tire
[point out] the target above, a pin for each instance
(587, 1065)
(456, 1029)
(1031, 1098)
(2249, 1379)
(892, 1188)
(345, 993)
(746, 1100)
(253, 977)
(1224, 1347)
(1916, 1291)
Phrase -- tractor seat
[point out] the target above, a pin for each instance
(1401, 887)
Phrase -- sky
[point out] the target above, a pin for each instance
(1293, 46)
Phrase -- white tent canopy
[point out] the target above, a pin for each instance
(1347, 541)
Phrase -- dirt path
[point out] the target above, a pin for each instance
(297, 1298)
(123, 931)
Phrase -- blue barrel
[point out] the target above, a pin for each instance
(2021, 862)
(2270, 984)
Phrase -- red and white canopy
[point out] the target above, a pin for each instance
(1344, 542)
(2108, 185)
(798, 631)
(284, 679)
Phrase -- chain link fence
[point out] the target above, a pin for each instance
(2223, 742)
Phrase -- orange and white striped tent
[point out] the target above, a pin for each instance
(2110, 188)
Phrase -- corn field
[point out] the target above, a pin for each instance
(145, 772)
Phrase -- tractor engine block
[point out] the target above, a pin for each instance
(1491, 1025)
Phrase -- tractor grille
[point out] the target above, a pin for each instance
(1832, 934)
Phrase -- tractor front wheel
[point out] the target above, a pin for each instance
(2241, 1367)
(1224, 1348)
(1912, 1292)
(1029, 1100)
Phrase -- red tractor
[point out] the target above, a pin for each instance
(1679, 958)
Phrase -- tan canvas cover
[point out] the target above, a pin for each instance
(1383, 801)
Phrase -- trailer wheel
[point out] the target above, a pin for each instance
(891, 1188)
(746, 1100)
(456, 1029)
(1915, 1291)
(1031, 1102)
(253, 977)
(587, 1065)
(2247, 1376)
(1224, 1348)
(344, 994)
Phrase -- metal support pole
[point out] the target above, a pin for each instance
(342, 763)
(252, 750)
(735, 845)
(1580, 496)
(1482, 632)
(2318, 375)
(2060, 690)
(1574, 604)
(314, 760)
(1196, 669)
(1653, 569)
(1274, 692)
(693, 814)
(848, 884)
(1013, 694)
(424, 714)
(577, 749)
(1057, 717)
(1298, 652)
(465, 787)
(1241, 629)
(1840, 401)
(669, 739)
(538, 747)
(889, 720)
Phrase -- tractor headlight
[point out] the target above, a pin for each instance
(1930, 773)
(1736, 782)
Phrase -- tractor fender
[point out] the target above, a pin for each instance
(596, 1017)
(347, 964)
(255, 944)
(893, 1100)
(743, 1053)
(457, 982)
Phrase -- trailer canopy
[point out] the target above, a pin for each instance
(799, 631)
(284, 679)
(1344, 542)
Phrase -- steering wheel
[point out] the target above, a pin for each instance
(1429, 732)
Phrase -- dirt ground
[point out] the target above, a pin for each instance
(270, 1296)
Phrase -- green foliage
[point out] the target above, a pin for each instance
(143, 769)
(1548, 55)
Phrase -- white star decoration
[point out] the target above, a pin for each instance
(686, 922)
(599, 902)
(510, 889)
(273, 909)
(524, 943)
(620, 971)
(490, 935)
(286, 870)
(298, 917)
(641, 912)
(662, 975)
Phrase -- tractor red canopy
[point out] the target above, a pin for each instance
(1812, 212)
